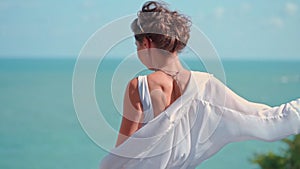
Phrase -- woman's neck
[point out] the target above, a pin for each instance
(168, 62)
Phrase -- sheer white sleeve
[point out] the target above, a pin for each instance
(244, 120)
(231, 118)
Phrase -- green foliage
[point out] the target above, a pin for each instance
(289, 160)
(269, 161)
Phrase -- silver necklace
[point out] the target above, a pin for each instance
(170, 73)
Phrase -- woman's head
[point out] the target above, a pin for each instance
(167, 29)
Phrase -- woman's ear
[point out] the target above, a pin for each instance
(146, 43)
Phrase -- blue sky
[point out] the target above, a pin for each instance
(238, 29)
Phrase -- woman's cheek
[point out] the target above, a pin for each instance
(144, 58)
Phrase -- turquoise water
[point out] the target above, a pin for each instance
(39, 127)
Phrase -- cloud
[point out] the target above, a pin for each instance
(219, 12)
(291, 8)
(246, 7)
(88, 4)
(276, 22)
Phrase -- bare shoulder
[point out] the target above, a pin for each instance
(133, 93)
(132, 85)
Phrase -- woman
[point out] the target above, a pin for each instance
(176, 118)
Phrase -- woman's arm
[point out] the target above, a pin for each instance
(132, 112)
(231, 118)
(246, 120)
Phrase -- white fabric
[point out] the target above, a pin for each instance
(198, 124)
(145, 98)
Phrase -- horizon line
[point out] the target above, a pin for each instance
(183, 57)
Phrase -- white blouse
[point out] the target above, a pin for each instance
(198, 124)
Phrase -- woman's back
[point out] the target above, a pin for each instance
(165, 88)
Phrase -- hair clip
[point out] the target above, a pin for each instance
(139, 25)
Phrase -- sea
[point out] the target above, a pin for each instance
(40, 129)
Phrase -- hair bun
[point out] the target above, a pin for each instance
(152, 6)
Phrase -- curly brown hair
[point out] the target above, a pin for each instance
(167, 29)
